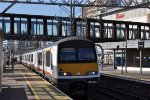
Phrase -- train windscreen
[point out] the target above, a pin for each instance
(77, 54)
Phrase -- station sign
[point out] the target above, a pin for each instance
(119, 15)
(140, 45)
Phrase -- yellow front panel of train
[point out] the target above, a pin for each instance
(78, 69)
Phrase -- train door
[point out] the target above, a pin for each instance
(40, 67)
(51, 63)
(100, 55)
(43, 62)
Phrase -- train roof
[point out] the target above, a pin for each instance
(61, 41)
(70, 39)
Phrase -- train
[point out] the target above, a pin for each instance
(71, 64)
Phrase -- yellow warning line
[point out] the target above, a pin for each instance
(32, 89)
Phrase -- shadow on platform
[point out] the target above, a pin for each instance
(13, 94)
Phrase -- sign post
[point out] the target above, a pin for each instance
(140, 47)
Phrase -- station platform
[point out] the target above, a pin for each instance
(134, 75)
(23, 84)
(131, 82)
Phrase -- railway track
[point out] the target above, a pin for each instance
(105, 92)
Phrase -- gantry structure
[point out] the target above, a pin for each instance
(88, 3)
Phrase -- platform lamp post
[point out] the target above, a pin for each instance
(140, 47)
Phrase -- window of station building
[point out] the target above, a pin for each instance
(81, 29)
(23, 26)
(39, 27)
(40, 58)
(144, 32)
(6, 25)
(55, 28)
(1, 20)
(92, 30)
(66, 28)
(49, 27)
(52, 27)
(108, 29)
(120, 29)
(17, 25)
(133, 32)
(48, 58)
(34, 26)
(95, 29)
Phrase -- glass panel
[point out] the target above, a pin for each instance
(39, 27)
(31, 57)
(92, 30)
(16, 25)
(33, 26)
(132, 31)
(49, 27)
(86, 54)
(1, 20)
(144, 32)
(120, 29)
(64, 28)
(40, 58)
(108, 30)
(81, 29)
(48, 58)
(6, 25)
(97, 29)
(67, 54)
(55, 27)
(23, 26)
(147, 32)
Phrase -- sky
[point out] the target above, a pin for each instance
(39, 9)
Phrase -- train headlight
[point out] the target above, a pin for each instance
(64, 74)
(91, 73)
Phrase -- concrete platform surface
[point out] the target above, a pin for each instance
(23, 84)
(130, 74)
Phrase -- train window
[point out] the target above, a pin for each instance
(25, 58)
(68, 54)
(51, 60)
(48, 58)
(28, 58)
(40, 58)
(86, 54)
(31, 57)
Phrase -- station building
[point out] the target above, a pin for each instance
(133, 53)
(115, 51)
